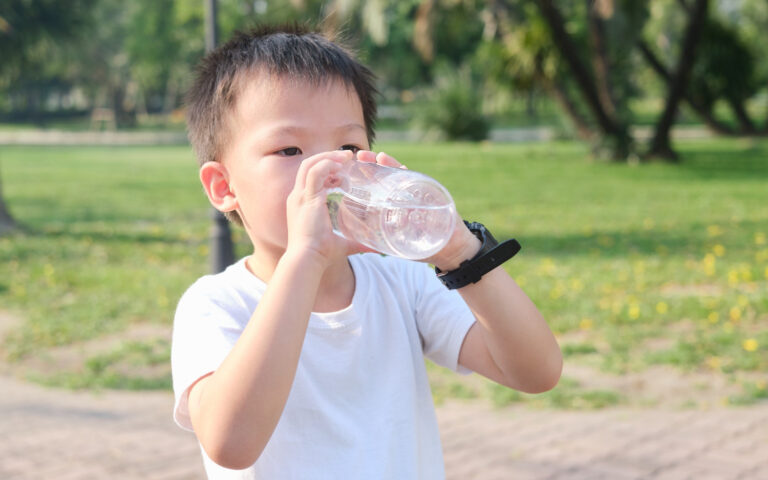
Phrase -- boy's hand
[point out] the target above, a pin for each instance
(462, 245)
(309, 224)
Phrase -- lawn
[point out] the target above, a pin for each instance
(648, 274)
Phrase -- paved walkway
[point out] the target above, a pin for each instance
(126, 435)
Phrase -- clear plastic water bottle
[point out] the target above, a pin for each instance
(394, 211)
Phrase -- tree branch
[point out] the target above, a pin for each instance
(580, 72)
(702, 111)
(660, 145)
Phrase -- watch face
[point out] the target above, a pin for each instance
(485, 236)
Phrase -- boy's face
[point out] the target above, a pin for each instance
(275, 125)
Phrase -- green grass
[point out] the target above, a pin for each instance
(632, 266)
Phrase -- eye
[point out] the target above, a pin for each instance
(289, 152)
(352, 148)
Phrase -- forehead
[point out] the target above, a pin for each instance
(262, 96)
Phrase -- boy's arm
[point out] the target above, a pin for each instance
(235, 409)
(511, 342)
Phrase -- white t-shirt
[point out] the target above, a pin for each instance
(360, 405)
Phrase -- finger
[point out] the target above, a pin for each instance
(366, 156)
(320, 175)
(336, 156)
(388, 161)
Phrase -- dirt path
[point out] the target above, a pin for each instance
(47, 433)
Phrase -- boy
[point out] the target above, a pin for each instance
(303, 360)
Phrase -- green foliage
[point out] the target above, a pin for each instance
(753, 392)
(724, 66)
(454, 107)
(29, 31)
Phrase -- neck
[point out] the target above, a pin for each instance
(337, 286)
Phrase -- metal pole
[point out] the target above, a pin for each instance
(222, 252)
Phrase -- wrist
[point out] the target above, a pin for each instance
(490, 255)
(309, 260)
(466, 249)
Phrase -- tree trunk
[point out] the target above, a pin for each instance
(660, 144)
(7, 223)
(123, 117)
(704, 112)
(558, 92)
(610, 127)
(746, 124)
(600, 63)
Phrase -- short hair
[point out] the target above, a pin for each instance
(294, 51)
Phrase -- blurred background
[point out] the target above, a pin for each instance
(622, 143)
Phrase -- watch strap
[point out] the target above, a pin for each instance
(490, 256)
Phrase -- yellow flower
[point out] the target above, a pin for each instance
(714, 230)
(634, 311)
(547, 266)
(742, 300)
(709, 264)
(733, 278)
(577, 285)
(746, 275)
(662, 307)
(714, 363)
(586, 324)
(713, 317)
(759, 238)
(735, 314)
(750, 344)
(718, 250)
(648, 223)
(48, 270)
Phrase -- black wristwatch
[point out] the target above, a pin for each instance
(491, 255)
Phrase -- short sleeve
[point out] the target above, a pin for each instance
(204, 331)
(442, 317)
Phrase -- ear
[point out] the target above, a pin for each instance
(215, 179)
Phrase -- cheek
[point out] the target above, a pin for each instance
(279, 183)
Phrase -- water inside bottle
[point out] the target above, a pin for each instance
(412, 221)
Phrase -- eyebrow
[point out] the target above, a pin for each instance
(295, 130)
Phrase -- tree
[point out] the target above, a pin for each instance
(7, 223)
(724, 69)
(26, 28)
(660, 144)
(584, 64)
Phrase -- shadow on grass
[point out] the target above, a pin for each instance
(120, 236)
(641, 242)
(749, 163)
